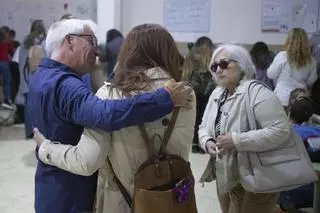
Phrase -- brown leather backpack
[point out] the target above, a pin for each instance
(164, 183)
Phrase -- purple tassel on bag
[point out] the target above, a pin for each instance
(182, 190)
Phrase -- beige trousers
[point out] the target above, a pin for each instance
(238, 200)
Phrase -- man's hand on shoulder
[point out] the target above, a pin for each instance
(181, 93)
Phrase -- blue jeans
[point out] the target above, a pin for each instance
(6, 76)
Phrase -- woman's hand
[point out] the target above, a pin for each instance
(211, 147)
(224, 143)
(38, 137)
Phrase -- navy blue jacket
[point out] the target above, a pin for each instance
(60, 106)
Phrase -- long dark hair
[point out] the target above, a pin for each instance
(261, 55)
(112, 34)
(145, 47)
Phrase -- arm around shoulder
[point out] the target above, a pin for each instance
(78, 105)
(84, 159)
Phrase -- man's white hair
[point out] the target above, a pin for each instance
(60, 29)
(239, 54)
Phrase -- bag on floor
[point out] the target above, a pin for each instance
(7, 114)
(164, 183)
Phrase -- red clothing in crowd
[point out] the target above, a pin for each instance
(6, 51)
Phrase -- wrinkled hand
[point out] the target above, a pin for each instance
(211, 148)
(224, 143)
(38, 137)
(181, 93)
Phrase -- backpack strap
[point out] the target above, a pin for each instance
(169, 130)
(149, 142)
(122, 189)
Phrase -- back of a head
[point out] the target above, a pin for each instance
(6, 29)
(112, 34)
(298, 48)
(67, 16)
(296, 94)
(147, 46)
(12, 33)
(150, 45)
(59, 30)
(260, 55)
(301, 110)
(198, 58)
(204, 41)
(37, 27)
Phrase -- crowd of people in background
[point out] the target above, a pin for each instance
(143, 62)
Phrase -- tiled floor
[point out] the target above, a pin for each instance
(17, 167)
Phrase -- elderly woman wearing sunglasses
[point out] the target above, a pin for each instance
(224, 130)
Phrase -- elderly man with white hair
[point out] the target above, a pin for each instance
(61, 105)
(224, 130)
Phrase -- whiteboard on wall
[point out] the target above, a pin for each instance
(283, 15)
(187, 15)
(18, 14)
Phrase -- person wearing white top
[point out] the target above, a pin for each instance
(293, 68)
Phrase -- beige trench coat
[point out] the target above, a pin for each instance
(125, 148)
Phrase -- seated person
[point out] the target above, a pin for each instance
(296, 94)
(300, 112)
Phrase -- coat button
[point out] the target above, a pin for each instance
(165, 122)
(225, 113)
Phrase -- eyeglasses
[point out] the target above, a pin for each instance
(90, 38)
(223, 64)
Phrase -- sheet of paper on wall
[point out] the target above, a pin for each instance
(18, 14)
(190, 16)
(283, 15)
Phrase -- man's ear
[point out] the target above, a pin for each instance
(69, 41)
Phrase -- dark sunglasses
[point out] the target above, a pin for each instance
(223, 64)
(90, 38)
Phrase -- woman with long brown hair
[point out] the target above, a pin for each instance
(148, 58)
(293, 68)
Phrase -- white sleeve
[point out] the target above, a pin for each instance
(16, 54)
(204, 128)
(275, 68)
(84, 159)
(313, 76)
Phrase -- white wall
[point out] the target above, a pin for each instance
(108, 17)
(236, 21)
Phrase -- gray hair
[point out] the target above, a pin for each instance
(60, 29)
(239, 54)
